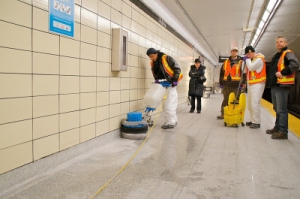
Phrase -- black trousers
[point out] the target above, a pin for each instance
(193, 98)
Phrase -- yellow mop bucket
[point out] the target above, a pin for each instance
(235, 111)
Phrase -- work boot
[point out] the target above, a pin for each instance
(168, 126)
(248, 123)
(220, 117)
(279, 135)
(192, 111)
(254, 126)
(271, 131)
(198, 112)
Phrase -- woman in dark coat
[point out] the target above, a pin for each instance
(196, 85)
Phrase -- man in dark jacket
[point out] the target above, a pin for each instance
(280, 78)
(230, 75)
(166, 69)
(196, 84)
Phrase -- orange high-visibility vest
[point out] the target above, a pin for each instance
(234, 71)
(289, 79)
(167, 68)
(253, 76)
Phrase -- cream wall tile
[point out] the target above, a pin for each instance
(15, 85)
(15, 133)
(104, 40)
(104, 25)
(141, 93)
(69, 66)
(16, 156)
(103, 84)
(88, 18)
(87, 132)
(115, 16)
(103, 69)
(141, 83)
(134, 61)
(124, 108)
(43, 4)
(102, 113)
(133, 83)
(69, 47)
(115, 83)
(104, 54)
(126, 22)
(27, 1)
(88, 84)
(114, 123)
(77, 13)
(102, 98)
(40, 19)
(134, 38)
(135, 15)
(88, 68)
(69, 103)
(90, 5)
(45, 105)
(125, 95)
(45, 146)
(134, 49)
(9, 63)
(88, 35)
(142, 44)
(133, 105)
(14, 36)
(115, 97)
(78, 2)
(87, 116)
(125, 83)
(45, 84)
(45, 42)
(69, 84)
(102, 127)
(45, 126)
(103, 10)
(9, 108)
(116, 4)
(88, 51)
(142, 21)
(10, 12)
(77, 31)
(69, 138)
(133, 94)
(114, 110)
(126, 9)
(87, 100)
(45, 63)
(68, 121)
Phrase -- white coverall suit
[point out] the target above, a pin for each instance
(255, 91)
(170, 106)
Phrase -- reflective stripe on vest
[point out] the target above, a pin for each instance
(167, 68)
(253, 76)
(234, 71)
(289, 79)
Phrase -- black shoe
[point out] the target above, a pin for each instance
(168, 126)
(254, 126)
(220, 117)
(191, 111)
(279, 135)
(198, 112)
(271, 131)
(248, 123)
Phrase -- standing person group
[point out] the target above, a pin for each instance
(165, 68)
(280, 78)
(230, 76)
(196, 87)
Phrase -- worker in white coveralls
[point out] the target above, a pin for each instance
(165, 68)
(256, 78)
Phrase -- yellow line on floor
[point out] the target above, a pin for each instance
(293, 121)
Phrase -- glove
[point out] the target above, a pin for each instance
(156, 81)
(174, 84)
(244, 58)
(221, 86)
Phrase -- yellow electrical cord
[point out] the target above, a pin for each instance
(127, 163)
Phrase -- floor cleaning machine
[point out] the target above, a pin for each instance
(136, 125)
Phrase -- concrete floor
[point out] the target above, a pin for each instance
(200, 158)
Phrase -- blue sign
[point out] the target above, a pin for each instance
(61, 17)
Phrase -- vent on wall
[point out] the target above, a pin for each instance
(119, 49)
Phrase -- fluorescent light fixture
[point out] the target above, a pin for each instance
(265, 16)
(255, 37)
(271, 5)
(261, 24)
(258, 31)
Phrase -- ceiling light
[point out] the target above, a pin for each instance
(271, 5)
(265, 16)
(261, 24)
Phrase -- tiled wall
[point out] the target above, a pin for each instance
(57, 92)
